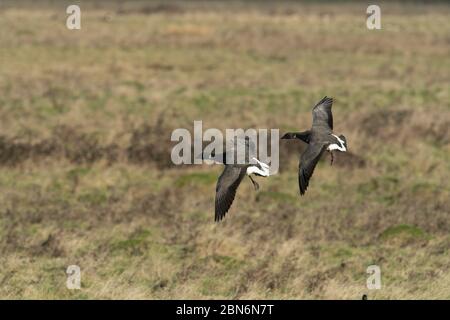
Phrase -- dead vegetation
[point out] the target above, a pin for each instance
(86, 176)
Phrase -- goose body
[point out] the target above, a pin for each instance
(233, 174)
(319, 138)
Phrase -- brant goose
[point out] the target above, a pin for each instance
(319, 138)
(234, 173)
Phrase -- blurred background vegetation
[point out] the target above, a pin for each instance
(85, 171)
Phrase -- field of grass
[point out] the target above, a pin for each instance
(85, 170)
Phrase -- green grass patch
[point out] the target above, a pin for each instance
(94, 197)
(197, 178)
(276, 196)
(403, 231)
(133, 242)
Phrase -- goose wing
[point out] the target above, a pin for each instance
(308, 162)
(321, 112)
(226, 188)
(244, 149)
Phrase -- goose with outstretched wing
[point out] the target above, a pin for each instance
(319, 138)
(236, 168)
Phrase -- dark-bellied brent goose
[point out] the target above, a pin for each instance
(234, 172)
(319, 138)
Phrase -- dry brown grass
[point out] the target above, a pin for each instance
(85, 171)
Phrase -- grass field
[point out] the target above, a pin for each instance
(85, 171)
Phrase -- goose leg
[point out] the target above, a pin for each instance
(332, 158)
(255, 184)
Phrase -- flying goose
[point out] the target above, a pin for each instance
(234, 173)
(319, 138)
